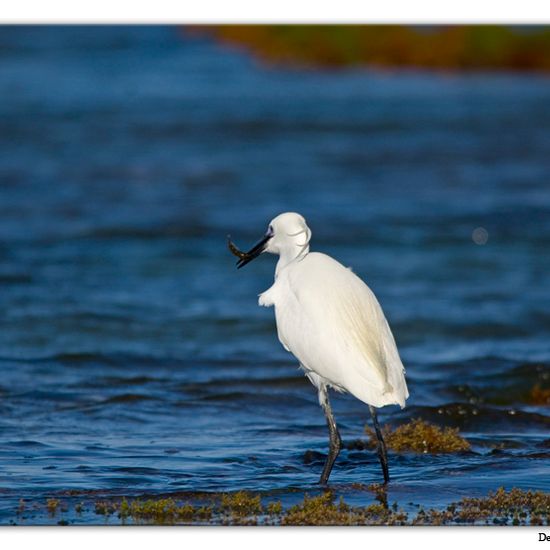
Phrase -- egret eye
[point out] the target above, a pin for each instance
(270, 231)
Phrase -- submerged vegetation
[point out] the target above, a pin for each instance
(421, 437)
(539, 395)
(164, 510)
(322, 510)
(52, 504)
(463, 47)
(501, 507)
(241, 504)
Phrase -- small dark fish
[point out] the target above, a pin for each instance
(234, 250)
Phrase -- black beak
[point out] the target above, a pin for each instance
(246, 257)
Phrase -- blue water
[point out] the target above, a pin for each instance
(134, 357)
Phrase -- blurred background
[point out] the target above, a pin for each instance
(449, 47)
(134, 357)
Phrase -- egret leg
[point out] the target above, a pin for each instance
(381, 445)
(335, 441)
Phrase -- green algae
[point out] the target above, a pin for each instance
(323, 510)
(241, 504)
(501, 507)
(240, 508)
(421, 437)
(515, 507)
(275, 508)
(162, 511)
(52, 505)
(104, 507)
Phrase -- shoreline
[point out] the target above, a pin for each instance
(459, 48)
(500, 507)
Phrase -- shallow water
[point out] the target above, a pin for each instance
(134, 357)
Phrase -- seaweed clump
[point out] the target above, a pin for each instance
(162, 511)
(241, 508)
(515, 507)
(52, 504)
(421, 437)
(322, 510)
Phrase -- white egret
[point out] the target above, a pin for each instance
(330, 320)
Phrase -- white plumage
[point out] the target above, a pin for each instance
(331, 321)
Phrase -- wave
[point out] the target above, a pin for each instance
(478, 418)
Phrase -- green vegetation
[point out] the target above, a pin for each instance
(322, 510)
(460, 47)
(241, 504)
(421, 437)
(514, 507)
(162, 511)
(52, 504)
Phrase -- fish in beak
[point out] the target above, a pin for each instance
(254, 252)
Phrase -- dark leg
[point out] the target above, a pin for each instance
(335, 441)
(382, 453)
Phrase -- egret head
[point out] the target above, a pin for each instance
(287, 235)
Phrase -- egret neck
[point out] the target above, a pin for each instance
(294, 246)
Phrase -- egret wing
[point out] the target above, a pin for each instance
(333, 323)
